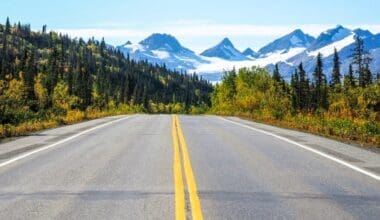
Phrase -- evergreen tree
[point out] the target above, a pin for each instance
(52, 70)
(367, 75)
(276, 76)
(319, 82)
(29, 75)
(350, 78)
(296, 92)
(335, 78)
(7, 27)
(304, 88)
(361, 59)
(44, 29)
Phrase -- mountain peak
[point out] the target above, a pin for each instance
(363, 33)
(250, 53)
(162, 41)
(297, 32)
(295, 39)
(331, 35)
(226, 42)
(338, 29)
(225, 50)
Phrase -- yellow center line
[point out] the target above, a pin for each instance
(178, 179)
(196, 210)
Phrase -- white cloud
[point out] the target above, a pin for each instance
(103, 32)
(200, 28)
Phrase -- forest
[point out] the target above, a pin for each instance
(48, 79)
(344, 105)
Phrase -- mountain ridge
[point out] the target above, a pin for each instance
(287, 51)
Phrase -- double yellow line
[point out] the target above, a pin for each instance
(182, 160)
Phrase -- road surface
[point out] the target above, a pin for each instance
(194, 167)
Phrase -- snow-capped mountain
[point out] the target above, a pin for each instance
(225, 50)
(296, 39)
(250, 53)
(163, 49)
(330, 36)
(287, 51)
(339, 38)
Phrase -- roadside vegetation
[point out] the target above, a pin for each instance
(49, 79)
(347, 107)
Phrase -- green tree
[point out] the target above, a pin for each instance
(296, 91)
(276, 76)
(361, 59)
(304, 88)
(320, 87)
(335, 78)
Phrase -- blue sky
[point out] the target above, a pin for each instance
(197, 24)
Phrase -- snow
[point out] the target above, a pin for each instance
(161, 54)
(342, 33)
(135, 47)
(282, 55)
(329, 49)
(294, 40)
(217, 65)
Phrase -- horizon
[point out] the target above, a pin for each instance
(254, 25)
(76, 34)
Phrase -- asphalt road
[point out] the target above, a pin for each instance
(167, 167)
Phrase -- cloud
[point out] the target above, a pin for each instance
(204, 28)
(103, 32)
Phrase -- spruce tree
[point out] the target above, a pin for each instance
(7, 26)
(350, 78)
(276, 76)
(29, 74)
(304, 88)
(362, 60)
(335, 78)
(367, 75)
(295, 85)
(320, 88)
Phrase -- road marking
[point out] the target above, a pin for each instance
(342, 162)
(196, 210)
(178, 179)
(17, 158)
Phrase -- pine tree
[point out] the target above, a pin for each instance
(7, 26)
(335, 78)
(44, 29)
(367, 75)
(52, 71)
(304, 88)
(320, 88)
(29, 74)
(295, 84)
(276, 76)
(361, 59)
(350, 78)
(5, 62)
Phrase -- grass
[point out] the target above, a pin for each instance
(71, 117)
(357, 131)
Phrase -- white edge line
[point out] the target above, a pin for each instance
(14, 159)
(342, 162)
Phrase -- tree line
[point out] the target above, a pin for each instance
(48, 73)
(311, 94)
(346, 106)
